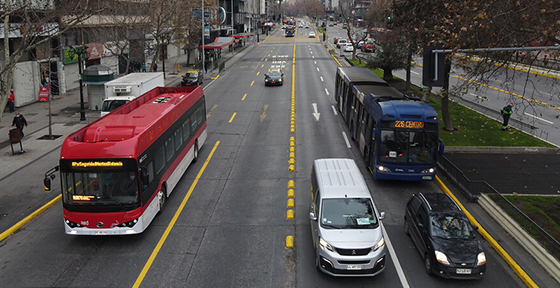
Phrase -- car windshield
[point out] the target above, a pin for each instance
(274, 73)
(192, 75)
(451, 227)
(110, 105)
(348, 213)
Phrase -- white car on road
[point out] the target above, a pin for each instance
(347, 47)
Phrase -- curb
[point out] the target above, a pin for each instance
(547, 261)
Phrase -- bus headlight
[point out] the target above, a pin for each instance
(383, 169)
(71, 224)
(429, 171)
(129, 224)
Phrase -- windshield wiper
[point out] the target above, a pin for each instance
(330, 226)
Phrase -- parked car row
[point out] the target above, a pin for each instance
(348, 238)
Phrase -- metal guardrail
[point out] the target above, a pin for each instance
(473, 189)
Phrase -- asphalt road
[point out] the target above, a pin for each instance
(232, 228)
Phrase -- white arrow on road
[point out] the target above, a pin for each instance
(315, 112)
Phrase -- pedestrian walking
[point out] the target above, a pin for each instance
(545, 60)
(506, 113)
(19, 121)
(11, 101)
(155, 67)
(143, 67)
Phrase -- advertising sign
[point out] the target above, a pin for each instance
(44, 94)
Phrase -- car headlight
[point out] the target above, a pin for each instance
(325, 244)
(481, 259)
(379, 244)
(441, 258)
(280, 80)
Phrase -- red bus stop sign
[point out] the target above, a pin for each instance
(44, 94)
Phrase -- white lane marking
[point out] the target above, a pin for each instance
(327, 91)
(315, 62)
(334, 110)
(317, 69)
(544, 120)
(313, 57)
(311, 52)
(395, 259)
(315, 111)
(346, 140)
(414, 72)
(322, 79)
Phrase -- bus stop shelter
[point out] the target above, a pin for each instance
(242, 38)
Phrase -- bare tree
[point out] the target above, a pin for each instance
(36, 23)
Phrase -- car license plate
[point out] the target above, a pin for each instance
(272, 82)
(354, 267)
(463, 271)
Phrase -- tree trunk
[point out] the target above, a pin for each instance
(408, 66)
(387, 74)
(445, 100)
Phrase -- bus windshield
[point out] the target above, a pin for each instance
(413, 147)
(110, 183)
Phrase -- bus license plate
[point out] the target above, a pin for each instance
(463, 271)
(354, 267)
(426, 177)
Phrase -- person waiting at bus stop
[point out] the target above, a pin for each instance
(506, 113)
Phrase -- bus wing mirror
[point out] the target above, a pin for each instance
(441, 148)
(144, 176)
(49, 175)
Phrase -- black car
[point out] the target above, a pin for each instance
(192, 78)
(274, 77)
(444, 237)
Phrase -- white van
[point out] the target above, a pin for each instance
(345, 224)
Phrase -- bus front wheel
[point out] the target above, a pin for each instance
(162, 198)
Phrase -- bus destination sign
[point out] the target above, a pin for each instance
(97, 164)
(409, 124)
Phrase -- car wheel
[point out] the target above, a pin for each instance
(428, 264)
(406, 227)
(317, 262)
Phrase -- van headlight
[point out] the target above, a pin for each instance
(325, 244)
(379, 244)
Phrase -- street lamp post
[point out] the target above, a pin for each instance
(85, 54)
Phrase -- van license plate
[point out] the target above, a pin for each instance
(354, 267)
(463, 271)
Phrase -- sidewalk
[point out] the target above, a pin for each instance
(21, 175)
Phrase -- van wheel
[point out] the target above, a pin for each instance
(195, 152)
(428, 264)
(406, 227)
(162, 199)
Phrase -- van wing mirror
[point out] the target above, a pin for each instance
(312, 216)
(381, 215)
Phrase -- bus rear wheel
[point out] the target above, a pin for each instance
(195, 152)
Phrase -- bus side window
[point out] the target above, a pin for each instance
(178, 138)
(186, 130)
(194, 123)
(159, 159)
(169, 150)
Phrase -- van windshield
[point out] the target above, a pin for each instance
(348, 213)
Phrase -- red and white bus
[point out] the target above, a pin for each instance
(118, 171)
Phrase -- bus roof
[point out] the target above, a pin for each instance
(360, 75)
(131, 128)
(379, 93)
(401, 110)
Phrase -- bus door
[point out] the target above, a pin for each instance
(370, 143)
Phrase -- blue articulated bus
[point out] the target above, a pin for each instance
(396, 135)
